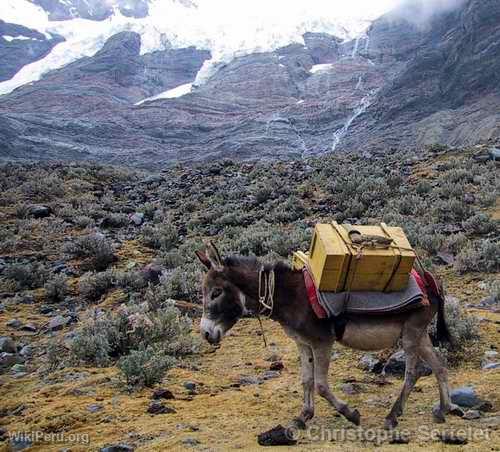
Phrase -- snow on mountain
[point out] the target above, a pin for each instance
(227, 28)
(178, 91)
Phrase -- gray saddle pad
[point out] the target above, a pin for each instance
(372, 302)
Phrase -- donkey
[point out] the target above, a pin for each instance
(231, 289)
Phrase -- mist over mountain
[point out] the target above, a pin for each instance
(123, 81)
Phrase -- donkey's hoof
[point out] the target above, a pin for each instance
(390, 423)
(354, 417)
(438, 415)
(455, 410)
(298, 423)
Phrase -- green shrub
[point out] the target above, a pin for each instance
(96, 250)
(93, 286)
(163, 236)
(26, 276)
(482, 256)
(145, 367)
(463, 327)
(154, 322)
(56, 289)
(479, 224)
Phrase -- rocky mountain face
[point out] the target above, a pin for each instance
(92, 9)
(416, 77)
(20, 46)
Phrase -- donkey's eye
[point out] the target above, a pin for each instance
(217, 292)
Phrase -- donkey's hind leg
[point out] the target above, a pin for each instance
(322, 355)
(427, 353)
(412, 333)
(307, 371)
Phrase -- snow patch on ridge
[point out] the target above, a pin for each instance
(178, 91)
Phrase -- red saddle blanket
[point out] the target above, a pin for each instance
(330, 304)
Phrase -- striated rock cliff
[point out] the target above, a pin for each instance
(416, 77)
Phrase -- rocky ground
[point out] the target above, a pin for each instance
(83, 243)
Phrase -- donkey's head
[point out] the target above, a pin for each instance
(223, 302)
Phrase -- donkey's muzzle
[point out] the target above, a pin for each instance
(210, 331)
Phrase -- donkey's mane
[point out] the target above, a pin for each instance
(252, 263)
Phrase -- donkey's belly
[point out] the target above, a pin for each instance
(371, 334)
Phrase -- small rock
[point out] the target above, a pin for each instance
(7, 359)
(137, 218)
(273, 357)
(276, 365)
(26, 351)
(484, 406)
(30, 327)
(471, 414)
(7, 345)
(246, 380)
(490, 366)
(268, 374)
(162, 394)
(190, 442)
(190, 385)
(351, 388)
(370, 363)
(278, 436)
(20, 442)
(446, 258)
(14, 323)
(399, 438)
(39, 211)
(156, 407)
(451, 438)
(465, 397)
(94, 408)
(152, 273)
(396, 365)
(117, 448)
(18, 368)
(58, 322)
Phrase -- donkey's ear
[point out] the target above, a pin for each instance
(204, 259)
(213, 256)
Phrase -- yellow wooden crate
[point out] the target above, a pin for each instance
(337, 264)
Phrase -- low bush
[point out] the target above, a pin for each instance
(26, 276)
(93, 286)
(154, 322)
(482, 256)
(145, 367)
(95, 249)
(463, 327)
(162, 236)
(56, 289)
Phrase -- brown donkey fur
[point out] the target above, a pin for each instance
(231, 290)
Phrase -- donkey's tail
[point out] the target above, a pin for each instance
(442, 331)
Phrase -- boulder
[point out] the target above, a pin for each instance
(370, 363)
(156, 407)
(117, 448)
(58, 322)
(465, 397)
(39, 211)
(7, 345)
(137, 218)
(396, 365)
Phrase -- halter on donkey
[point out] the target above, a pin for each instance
(234, 286)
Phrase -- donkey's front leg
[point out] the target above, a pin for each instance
(322, 355)
(307, 371)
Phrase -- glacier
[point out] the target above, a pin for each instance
(228, 30)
